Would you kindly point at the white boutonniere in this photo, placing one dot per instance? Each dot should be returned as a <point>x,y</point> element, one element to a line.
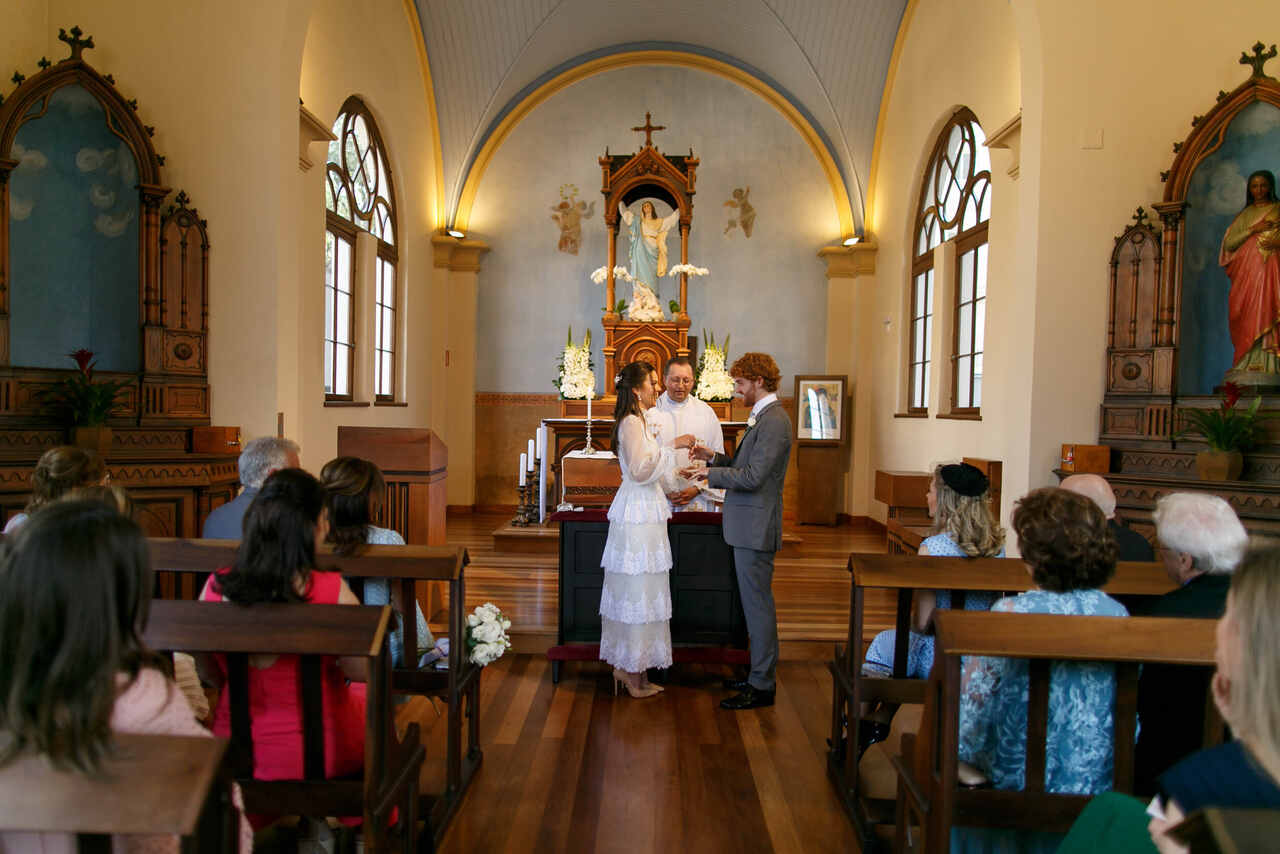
<point>751,422</point>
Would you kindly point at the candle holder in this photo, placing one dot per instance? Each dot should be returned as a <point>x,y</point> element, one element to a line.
<point>527,509</point>
<point>590,448</point>
<point>522,509</point>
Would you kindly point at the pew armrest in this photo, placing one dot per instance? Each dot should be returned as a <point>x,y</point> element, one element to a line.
<point>908,788</point>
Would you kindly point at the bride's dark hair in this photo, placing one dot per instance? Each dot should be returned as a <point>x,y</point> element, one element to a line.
<point>629,380</point>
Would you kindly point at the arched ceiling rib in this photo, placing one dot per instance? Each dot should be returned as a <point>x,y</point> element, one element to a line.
<point>829,57</point>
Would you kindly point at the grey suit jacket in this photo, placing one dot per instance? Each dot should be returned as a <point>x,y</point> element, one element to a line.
<point>752,481</point>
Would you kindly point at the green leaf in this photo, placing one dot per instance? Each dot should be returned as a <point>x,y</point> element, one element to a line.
<point>673,306</point>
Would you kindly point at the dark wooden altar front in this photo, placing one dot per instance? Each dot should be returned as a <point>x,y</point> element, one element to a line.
<point>706,609</point>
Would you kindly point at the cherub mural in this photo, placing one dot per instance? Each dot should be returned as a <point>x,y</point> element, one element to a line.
<point>568,214</point>
<point>741,212</point>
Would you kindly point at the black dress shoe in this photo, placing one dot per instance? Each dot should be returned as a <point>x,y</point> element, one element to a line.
<point>736,684</point>
<point>750,698</point>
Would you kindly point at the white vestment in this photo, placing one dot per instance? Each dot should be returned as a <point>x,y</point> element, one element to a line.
<point>691,416</point>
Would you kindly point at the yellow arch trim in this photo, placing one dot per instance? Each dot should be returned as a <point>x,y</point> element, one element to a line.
<point>770,95</point>
<point>889,78</point>
<point>415,25</point>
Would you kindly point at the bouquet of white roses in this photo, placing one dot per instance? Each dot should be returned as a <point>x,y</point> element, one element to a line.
<point>714,382</point>
<point>487,634</point>
<point>576,379</point>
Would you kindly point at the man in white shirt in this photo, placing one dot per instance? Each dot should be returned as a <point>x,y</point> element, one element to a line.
<point>689,415</point>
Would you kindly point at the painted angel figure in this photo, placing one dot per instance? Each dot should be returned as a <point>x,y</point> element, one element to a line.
<point>648,258</point>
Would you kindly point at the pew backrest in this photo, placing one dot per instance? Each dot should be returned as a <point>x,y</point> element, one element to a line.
<point>926,572</point>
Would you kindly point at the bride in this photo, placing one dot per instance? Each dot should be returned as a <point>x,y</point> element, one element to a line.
<point>635,604</point>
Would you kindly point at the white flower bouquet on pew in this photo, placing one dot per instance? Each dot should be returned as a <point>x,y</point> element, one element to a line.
<point>487,634</point>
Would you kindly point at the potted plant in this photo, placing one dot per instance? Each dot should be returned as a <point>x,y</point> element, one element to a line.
<point>1228,431</point>
<point>86,404</point>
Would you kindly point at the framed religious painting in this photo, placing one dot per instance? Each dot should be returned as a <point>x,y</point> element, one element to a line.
<point>820,408</point>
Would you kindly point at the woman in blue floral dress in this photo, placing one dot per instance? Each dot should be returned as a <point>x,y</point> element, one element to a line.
<point>1070,554</point>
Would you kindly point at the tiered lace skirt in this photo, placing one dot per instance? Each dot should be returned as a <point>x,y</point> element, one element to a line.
<point>635,604</point>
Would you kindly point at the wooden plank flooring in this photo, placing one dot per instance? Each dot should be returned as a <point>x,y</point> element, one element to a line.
<point>571,768</point>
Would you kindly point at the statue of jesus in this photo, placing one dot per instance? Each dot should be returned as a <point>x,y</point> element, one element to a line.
<point>648,259</point>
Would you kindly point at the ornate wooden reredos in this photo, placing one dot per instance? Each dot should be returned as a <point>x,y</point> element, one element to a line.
<point>625,179</point>
<point>171,389</point>
<point>1144,319</point>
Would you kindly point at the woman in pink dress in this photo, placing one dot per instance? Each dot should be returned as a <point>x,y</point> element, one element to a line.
<point>75,588</point>
<point>276,563</point>
<point>1250,255</point>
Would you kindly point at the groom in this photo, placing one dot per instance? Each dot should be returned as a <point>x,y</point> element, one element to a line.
<point>753,516</point>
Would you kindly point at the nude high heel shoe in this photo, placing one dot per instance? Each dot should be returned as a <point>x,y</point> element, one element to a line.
<point>632,684</point>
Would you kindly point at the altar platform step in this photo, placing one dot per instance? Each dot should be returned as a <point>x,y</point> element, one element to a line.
<point>545,539</point>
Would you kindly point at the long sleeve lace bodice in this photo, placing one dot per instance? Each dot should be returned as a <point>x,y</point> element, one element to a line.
<point>642,458</point>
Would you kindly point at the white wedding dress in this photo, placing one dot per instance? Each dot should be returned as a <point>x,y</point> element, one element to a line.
<point>635,604</point>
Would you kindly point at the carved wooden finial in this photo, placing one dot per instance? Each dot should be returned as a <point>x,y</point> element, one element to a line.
<point>110,78</point>
<point>1164,176</point>
<point>18,77</point>
<point>648,127</point>
<point>1258,59</point>
<point>1177,146</point>
<point>181,199</point>
<point>77,44</point>
<point>44,63</point>
<point>1140,218</point>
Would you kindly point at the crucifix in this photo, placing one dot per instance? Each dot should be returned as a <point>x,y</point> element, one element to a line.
<point>648,127</point>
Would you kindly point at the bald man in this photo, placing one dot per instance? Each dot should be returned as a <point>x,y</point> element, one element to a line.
<point>1130,545</point>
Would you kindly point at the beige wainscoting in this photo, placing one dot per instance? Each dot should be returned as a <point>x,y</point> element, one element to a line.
<point>506,421</point>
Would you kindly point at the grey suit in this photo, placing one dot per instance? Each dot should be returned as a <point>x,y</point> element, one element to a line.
<point>752,481</point>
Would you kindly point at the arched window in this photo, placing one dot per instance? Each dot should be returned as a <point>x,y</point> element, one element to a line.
<point>359,196</point>
<point>955,204</point>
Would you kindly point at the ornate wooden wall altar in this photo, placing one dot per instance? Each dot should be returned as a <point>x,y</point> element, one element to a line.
<point>1141,416</point>
<point>626,179</point>
<point>150,450</point>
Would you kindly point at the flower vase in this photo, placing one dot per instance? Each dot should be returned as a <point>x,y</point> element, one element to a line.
<point>96,439</point>
<point>1219,465</point>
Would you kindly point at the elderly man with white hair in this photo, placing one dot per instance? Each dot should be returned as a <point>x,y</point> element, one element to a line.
<point>1130,545</point>
<point>258,460</point>
<point>1201,541</point>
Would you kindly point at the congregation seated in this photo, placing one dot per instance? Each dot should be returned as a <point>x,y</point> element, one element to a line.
<point>1244,773</point>
<point>1130,545</point>
<point>276,562</point>
<point>354,492</point>
<point>75,588</point>
<point>1070,554</point>
<point>59,471</point>
<point>1201,541</point>
<point>258,460</point>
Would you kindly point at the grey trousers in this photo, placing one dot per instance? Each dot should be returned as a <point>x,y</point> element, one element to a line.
<point>755,585</point>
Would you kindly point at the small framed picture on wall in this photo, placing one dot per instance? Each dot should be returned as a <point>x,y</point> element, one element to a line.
<point>820,415</point>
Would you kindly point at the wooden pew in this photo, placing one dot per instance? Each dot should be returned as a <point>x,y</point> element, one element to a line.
<point>391,768</point>
<point>162,784</point>
<point>907,573</point>
<point>459,686</point>
<point>929,795</point>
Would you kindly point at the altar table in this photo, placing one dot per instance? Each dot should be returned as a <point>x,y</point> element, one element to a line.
<point>707,623</point>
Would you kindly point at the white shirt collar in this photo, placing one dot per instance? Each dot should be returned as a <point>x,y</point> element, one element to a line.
<point>666,402</point>
<point>762,403</point>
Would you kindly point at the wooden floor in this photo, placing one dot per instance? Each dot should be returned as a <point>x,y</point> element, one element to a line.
<point>571,768</point>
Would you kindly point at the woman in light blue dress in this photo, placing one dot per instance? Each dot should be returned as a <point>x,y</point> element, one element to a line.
<point>1070,554</point>
<point>963,526</point>
<point>354,491</point>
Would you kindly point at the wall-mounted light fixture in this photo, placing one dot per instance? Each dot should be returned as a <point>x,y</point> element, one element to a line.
<point>850,241</point>
<point>454,233</point>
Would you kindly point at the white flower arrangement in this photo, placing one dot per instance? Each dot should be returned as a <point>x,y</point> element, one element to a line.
<point>690,269</point>
<point>487,634</point>
<point>601,273</point>
<point>576,379</point>
<point>714,382</point>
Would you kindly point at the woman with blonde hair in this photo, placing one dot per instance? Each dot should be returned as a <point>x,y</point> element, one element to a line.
<point>59,470</point>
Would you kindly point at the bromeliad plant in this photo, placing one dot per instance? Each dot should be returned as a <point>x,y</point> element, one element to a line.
<point>84,402</point>
<point>1227,428</point>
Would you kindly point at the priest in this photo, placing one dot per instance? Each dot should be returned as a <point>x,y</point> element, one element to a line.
<point>689,415</point>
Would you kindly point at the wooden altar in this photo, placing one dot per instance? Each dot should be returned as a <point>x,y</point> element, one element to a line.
<point>150,453</point>
<point>1147,332</point>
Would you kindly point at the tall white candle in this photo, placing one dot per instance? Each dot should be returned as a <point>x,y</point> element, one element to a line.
<point>542,441</point>
<point>590,395</point>
<point>524,461</point>
<point>530,455</point>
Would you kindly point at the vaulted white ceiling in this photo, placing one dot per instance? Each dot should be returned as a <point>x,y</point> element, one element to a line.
<point>828,58</point>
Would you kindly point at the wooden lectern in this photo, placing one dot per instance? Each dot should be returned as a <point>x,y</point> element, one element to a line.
<point>414,462</point>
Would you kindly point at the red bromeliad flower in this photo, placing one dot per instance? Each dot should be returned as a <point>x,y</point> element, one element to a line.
<point>1231,393</point>
<point>84,361</point>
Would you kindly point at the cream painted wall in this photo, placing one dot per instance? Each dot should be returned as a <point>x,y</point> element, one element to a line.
<point>921,101</point>
<point>220,83</point>
<point>1098,120</point>
<point>337,62</point>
